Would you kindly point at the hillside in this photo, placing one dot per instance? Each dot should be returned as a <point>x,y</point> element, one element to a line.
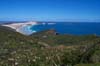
<point>47,48</point>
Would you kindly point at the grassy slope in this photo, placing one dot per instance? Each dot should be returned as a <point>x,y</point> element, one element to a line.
<point>13,43</point>
<point>47,49</point>
<point>86,46</point>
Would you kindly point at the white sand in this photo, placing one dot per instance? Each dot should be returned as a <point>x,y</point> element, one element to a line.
<point>17,26</point>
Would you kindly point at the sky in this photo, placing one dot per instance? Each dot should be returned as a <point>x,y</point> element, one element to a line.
<point>50,10</point>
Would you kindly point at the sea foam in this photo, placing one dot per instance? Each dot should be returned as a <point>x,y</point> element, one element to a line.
<point>24,28</point>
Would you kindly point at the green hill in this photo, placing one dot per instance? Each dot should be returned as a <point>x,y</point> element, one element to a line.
<point>47,48</point>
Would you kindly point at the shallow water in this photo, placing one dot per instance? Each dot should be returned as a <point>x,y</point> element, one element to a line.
<point>76,28</point>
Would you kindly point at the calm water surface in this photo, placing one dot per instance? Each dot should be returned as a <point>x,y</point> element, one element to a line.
<point>77,28</point>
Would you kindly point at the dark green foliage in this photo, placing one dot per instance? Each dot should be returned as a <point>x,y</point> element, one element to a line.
<point>46,48</point>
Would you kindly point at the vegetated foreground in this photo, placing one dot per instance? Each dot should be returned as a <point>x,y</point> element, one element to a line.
<point>48,48</point>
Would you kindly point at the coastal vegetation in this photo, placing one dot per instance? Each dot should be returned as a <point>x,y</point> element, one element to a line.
<point>48,48</point>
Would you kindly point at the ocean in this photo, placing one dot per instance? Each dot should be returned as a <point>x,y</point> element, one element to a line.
<point>74,28</point>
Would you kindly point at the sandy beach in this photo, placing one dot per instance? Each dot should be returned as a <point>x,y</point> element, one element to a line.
<point>19,26</point>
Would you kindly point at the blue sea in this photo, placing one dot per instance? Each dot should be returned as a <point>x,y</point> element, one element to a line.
<point>75,28</point>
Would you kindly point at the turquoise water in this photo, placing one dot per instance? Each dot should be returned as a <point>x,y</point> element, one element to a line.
<point>75,28</point>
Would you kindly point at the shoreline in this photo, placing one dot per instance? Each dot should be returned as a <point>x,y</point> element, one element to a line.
<point>19,26</point>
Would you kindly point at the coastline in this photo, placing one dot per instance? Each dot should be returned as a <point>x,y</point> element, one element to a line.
<point>27,28</point>
<point>21,27</point>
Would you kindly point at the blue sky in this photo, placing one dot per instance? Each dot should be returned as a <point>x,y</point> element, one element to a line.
<point>50,10</point>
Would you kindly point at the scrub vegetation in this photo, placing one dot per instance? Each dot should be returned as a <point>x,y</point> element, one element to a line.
<point>48,48</point>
